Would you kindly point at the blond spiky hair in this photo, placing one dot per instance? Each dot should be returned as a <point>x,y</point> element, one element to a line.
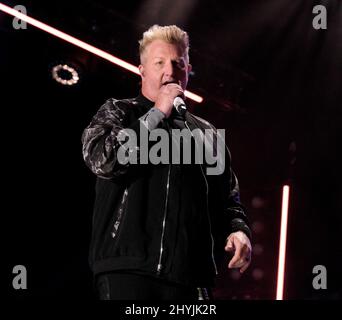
<point>170,34</point>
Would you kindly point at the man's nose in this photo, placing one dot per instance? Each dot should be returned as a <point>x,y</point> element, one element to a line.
<point>169,68</point>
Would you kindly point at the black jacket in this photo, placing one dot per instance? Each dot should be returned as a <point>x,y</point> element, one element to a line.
<point>166,220</point>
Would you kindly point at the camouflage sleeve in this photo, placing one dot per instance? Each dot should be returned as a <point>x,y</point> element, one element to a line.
<point>100,142</point>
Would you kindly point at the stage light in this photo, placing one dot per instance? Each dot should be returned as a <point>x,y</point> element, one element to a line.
<point>258,202</point>
<point>83,45</point>
<point>257,226</point>
<point>258,249</point>
<point>282,242</point>
<point>257,274</point>
<point>65,74</point>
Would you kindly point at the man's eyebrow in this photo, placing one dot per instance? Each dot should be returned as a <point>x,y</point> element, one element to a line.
<point>177,58</point>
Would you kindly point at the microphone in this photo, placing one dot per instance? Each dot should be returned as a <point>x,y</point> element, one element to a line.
<point>179,105</point>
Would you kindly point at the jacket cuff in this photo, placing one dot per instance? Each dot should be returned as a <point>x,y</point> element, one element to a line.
<point>238,224</point>
<point>152,118</point>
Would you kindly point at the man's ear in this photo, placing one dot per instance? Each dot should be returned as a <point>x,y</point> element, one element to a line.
<point>141,70</point>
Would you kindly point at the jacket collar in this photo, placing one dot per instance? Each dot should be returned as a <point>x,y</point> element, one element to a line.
<point>143,101</point>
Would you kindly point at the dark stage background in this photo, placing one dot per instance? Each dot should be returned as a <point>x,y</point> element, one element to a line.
<point>266,75</point>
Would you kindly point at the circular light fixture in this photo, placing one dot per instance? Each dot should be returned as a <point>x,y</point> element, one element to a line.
<point>65,74</point>
<point>257,274</point>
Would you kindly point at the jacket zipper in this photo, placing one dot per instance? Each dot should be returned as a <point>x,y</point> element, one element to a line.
<point>159,265</point>
<point>207,195</point>
<point>120,214</point>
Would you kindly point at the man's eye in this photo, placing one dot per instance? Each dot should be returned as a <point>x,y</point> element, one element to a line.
<point>159,62</point>
<point>180,65</point>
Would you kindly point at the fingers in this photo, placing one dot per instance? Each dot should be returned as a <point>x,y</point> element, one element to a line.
<point>229,246</point>
<point>174,89</point>
<point>166,96</point>
<point>237,259</point>
<point>242,255</point>
<point>245,266</point>
<point>240,261</point>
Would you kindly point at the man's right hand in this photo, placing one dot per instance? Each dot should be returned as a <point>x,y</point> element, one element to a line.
<point>166,96</point>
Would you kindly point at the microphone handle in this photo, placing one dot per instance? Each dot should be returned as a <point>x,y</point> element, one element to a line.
<point>179,105</point>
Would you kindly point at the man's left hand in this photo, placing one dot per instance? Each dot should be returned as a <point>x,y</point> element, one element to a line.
<point>239,243</point>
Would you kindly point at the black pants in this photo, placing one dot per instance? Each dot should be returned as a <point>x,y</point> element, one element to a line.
<point>126,286</point>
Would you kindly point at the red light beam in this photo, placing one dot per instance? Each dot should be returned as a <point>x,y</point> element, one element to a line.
<point>59,34</point>
<point>282,242</point>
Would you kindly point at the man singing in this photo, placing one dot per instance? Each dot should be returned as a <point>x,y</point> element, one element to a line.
<point>160,229</point>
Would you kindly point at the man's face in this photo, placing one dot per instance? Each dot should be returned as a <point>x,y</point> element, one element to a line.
<point>162,63</point>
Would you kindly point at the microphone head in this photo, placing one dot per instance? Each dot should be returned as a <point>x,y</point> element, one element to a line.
<point>180,106</point>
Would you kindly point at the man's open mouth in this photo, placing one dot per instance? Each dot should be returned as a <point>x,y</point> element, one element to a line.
<point>172,81</point>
